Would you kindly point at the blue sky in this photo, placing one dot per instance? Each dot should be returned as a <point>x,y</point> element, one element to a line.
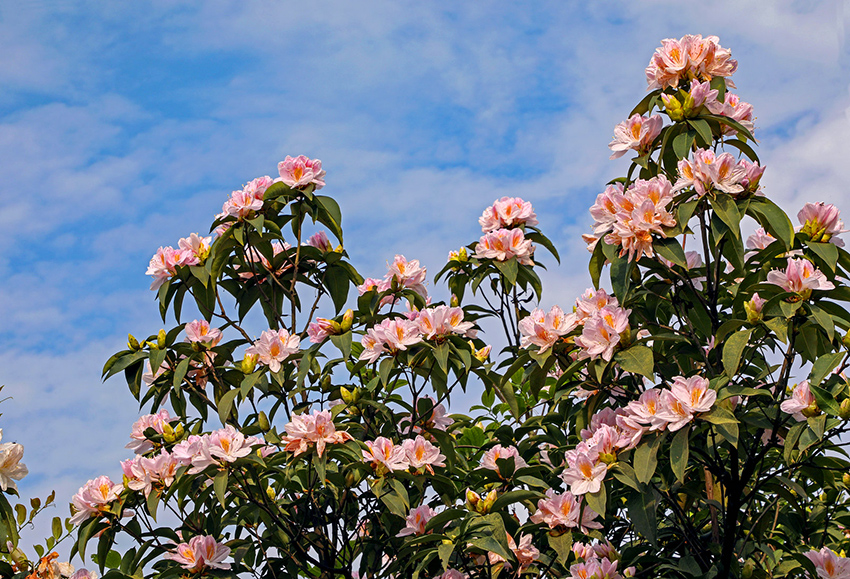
<point>124,126</point>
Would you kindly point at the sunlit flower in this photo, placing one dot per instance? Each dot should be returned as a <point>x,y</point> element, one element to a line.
<point>422,454</point>
<point>821,222</point>
<point>694,393</point>
<point>195,248</point>
<point>199,331</point>
<point>503,244</point>
<point>564,510</point>
<point>312,429</point>
<point>275,346</point>
<point>200,552</point>
<point>691,57</point>
<point>11,468</point>
<point>544,329</point>
<point>507,212</point>
<point>801,398</point>
<point>583,474</point>
<point>636,133</point>
<point>829,565</point>
<point>298,172</point>
<point>384,453</point>
<point>601,333</point>
<point>94,497</point>
<point>417,520</point>
<point>139,443</point>
<point>800,276</point>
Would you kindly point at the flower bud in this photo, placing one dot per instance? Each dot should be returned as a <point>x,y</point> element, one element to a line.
<point>347,320</point>
<point>485,505</point>
<point>688,106</point>
<point>822,497</point>
<point>753,308</point>
<point>844,409</point>
<point>453,302</point>
<point>607,458</point>
<point>749,567</point>
<point>133,343</point>
<point>629,572</point>
<point>462,254</point>
<point>338,249</point>
<point>270,493</point>
<point>346,394</point>
<point>846,340</point>
<point>481,355</point>
<point>846,479</point>
<point>167,433</point>
<point>673,107</point>
<point>160,339</point>
<point>179,431</point>
<point>263,421</point>
<point>249,363</point>
<point>626,336</point>
<point>811,410</point>
<point>473,498</point>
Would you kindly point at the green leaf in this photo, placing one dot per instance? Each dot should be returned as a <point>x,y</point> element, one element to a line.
<point>704,130</point>
<point>331,216</point>
<point>638,360</point>
<point>773,219</point>
<point>682,144</point>
<point>825,399</point>
<point>733,349</point>
<point>624,473</point>
<point>621,272</point>
<point>679,453</point>
<point>791,439</point>
<point>152,502</point>
<point>823,366</point>
<point>719,415</point>
<point>509,269</point>
<point>220,486</point>
<point>384,370</point>
<point>743,147</point>
<point>337,282</point>
<point>516,496</point>
<point>725,208</point>
<point>562,545</point>
<point>641,507</point>
<point>343,344</point>
<point>598,500</point>
<point>670,249</point>
<point>824,320</point>
<point>828,252</point>
<point>645,459</point>
<point>597,262</point>
<point>441,354</point>
<point>225,404</point>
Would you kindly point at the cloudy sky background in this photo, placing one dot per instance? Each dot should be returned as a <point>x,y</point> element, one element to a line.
<point>124,127</point>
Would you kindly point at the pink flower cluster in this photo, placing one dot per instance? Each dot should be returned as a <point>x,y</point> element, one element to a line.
<point>734,108</point>
<point>544,329</point>
<point>722,172</point>
<point>417,454</point>
<point>306,430</point>
<point>503,244</point>
<point>599,562</point>
<point>300,171</point>
<point>93,497</point>
<point>524,552</point>
<point>143,474</point>
<point>200,332</point>
<point>139,443</point>
<point>243,203</point>
<point>273,347</point>
<point>389,337</point>
<point>673,408</point>
<point>821,222</point>
<point>407,274</point>
<point>192,250</point>
<point>224,445</point>
<point>497,452</point>
<point>564,510</point>
<point>441,321</point>
<point>759,240</point>
<point>636,133</point>
<point>691,57</point>
<point>829,565</point>
<point>801,399</point>
<point>629,218</point>
<point>254,256</point>
<point>202,551</point>
<point>800,276</point>
<point>417,520</point>
<point>506,213</point>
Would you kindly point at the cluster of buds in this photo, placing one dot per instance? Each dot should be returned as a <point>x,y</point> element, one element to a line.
<point>319,330</point>
<point>479,504</point>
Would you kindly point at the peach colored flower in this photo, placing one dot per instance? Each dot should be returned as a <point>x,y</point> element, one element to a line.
<point>417,520</point>
<point>829,565</point>
<point>564,510</point>
<point>601,332</point>
<point>544,329</point>
<point>759,240</point>
<point>490,457</point>
<point>199,331</point>
<point>275,346</point>
<point>799,276</point>
<point>138,441</point>
<point>312,429</point>
<point>636,133</point>
<point>94,497</point>
<point>507,212</point>
<point>422,454</point>
<point>441,321</point>
<point>583,474</point>
<point>384,453</point>
<point>691,57</point>
<point>694,393</point>
<point>821,222</point>
<point>503,244</point>
<point>673,411</point>
<point>202,551</point>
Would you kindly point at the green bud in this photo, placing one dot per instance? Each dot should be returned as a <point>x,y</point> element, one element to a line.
<point>160,339</point>
<point>607,458</point>
<point>462,254</point>
<point>749,567</point>
<point>133,343</point>
<point>179,431</point>
<point>263,421</point>
<point>249,363</point>
<point>270,493</point>
<point>846,340</point>
<point>168,433</point>
<point>688,105</point>
<point>347,320</point>
<point>453,302</point>
<point>810,410</point>
<point>673,107</point>
<point>844,409</point>
<point>846,479</point>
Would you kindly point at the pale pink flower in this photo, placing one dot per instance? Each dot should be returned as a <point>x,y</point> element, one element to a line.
<point>644,411</point>
<point>408,274</point>
<point>759,240</point>
<point>673,411</point>
<point>163,265</point>
<point>371,283</point>
<point>142,473</point>
<point>601,333</point>
<point>308,429</point>
<point>417,520</point>
<point>544,329</point>
<point>258,186</point>
<point>201,551</point>
<point>195,248</point>
<point>736,109</point>
<point>275,346</point>
<point>821,222</point>
<point>608,204</point>
<point>503,244</point>
<point>507,212</point>
<point>564,510</point>
<point>694,393</point>
<point>94,497</point>
<point>490,457</point>
<point>441,321</point>
<point>584,474</point>
<point>11,468</point>
<point>320,241</point>
<point>298,172</point>
<point>586,570</point>
<point>83,574</point>
<point>641,212</point>
<point>591,301</point>
<point>799,276</point>
<point>709,171</point>
<point>194,452</point>
<point>452,574</point>
<point>200,331</point>
<point>752,175</point>
<point>801,398</point>
<point>526,553</point>
<point>390,336</point>
<point>138,441</point>
<point>319,330</point>
<point>829,565</point>
<point>702,94</point>
<point>228,444</point>
<point>383,453</point>
<point>436,420</point>
<point>691,57</point>
<point>636,133</point>
<point>241,204</point>
<point>753,307</point>
<point>422,454</point>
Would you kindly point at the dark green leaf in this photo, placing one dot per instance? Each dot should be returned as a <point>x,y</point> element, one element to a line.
<point>670,249</point>
<point>733,349</point>
<point>679,453</point>
<point>645,459</point>
<point>637,359</point>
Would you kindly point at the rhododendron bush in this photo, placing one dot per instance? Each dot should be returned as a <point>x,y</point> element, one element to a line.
<point>681,419</point>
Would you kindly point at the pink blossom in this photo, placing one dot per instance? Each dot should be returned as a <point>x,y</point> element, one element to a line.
<point>821,222</point>
<point>544,329</point>
<point>408,274</point>
<point>138,441</point>
<point>417,520</point>
<point>673,411</point>
<point>441,321</point>
<point>490,457</point>
<point>564,510</point>
<point>228,444</point>
<point>507,212</point>
<point>422,454</point>
<point>526,553</point>
<point>436,420</point>
<point>452,574</point>
<point>759,240</point>
<point>275,346</point>
<point>390,336</point>
<point>201,551</point>
<point>320,241</point>
<point>799,276</point>
<point>694,393</point>
<point>584,474</point>
<point>83,574</point>
<point>298,172</point>
<point>752,175</point>
<point>194,452</point>
<point>734,108</point>
<point>319,330</point>
<point>371,283</point>
<point>241,205</point>
<point>753,307</point>
<point>829,565</point>
<point>591,301</point>
<point>199,331</point>
<point>636,133</point>
<point>384,453</point>
<point>709,171</point>
<point>93,497</point>
<point>195,248</point>
<point>601,333</point>
<point>801,398</point>
<point>142,473</point>
<point>163,265</point>
<point>691,57</point>
<point>644,411</point>
<point>503,244</point>
<point>308,429</point>
<point>258,186</point>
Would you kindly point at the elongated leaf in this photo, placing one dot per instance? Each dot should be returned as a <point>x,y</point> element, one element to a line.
<point>824,320</point>
<point>337,282</point>
<point>823,366</point>
<point>330,216</point>
<point>516,496</point>
<point>645,459</point>
<point>642,507</point>
<point>727,210</point>
<point>220,486</point>
<point>773,219</point>
<point>225,404</point>
<point>508,269</point>
<point>733,349</point>
<point>743,147</point>
<point>828,252</point>
<point>670,249</point>
<point>597,262</point>
<point>719,415</point>
<point>679,453</point>
<point>703,129</point>
<point>598,500</point>
<point>638,359</point>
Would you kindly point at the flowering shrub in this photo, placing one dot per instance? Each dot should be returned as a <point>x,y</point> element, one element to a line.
<point>684,423</point>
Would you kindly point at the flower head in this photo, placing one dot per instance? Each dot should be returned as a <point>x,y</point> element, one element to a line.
<point>200,552</point>
<point>275,346</point>
<point>298,172</point>
<point>636,133</point>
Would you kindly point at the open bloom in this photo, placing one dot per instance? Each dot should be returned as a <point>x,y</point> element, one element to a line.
<point>201,551</point>
<point>601,332</point>
<point>563,510</point>
<point>694,393</point>
<point>199,331</point>
<point>417,520</point>
<point>636,133</point>
<point>163,265</point>
<point>11,468</point>
<point>422,454</point>
<point>584,474</point>
<point>195,248</point>
<point>490,457</point>
<point>707,171</point>
<point>274,346</point>
<point>300,171</point>
<point>93,497</point>
<point>829,565</point>
<point>690,57</point>
<point>544,329</point>
<point>801,398</point>
<point>441,321</point>
<point>503,244</point>
<point>312,429</point>
<point>799,276</point>
<point>821,222</point>
<point>507,212</point>
<point>383,453</point>
<point>138,441</point>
